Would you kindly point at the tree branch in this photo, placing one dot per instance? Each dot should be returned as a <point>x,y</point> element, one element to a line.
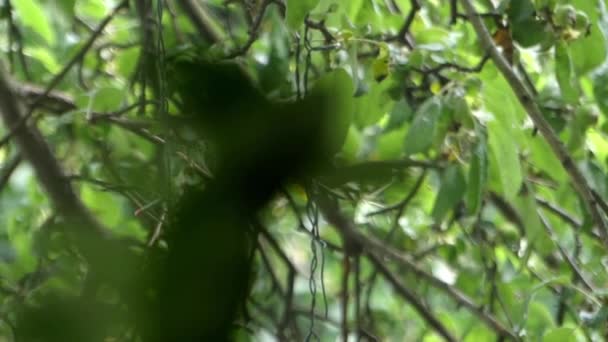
<point>527,101</point>
<point>411,298</point>
<point>59,77</point>
<point>378,249</point>
<point>48,171</point>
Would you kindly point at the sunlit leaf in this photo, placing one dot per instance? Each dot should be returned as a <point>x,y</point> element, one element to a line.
<point>32,14</point>
<point>562,334</point>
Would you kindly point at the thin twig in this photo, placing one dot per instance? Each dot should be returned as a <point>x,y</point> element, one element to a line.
<point>59,77</point>
<point>569,260</point>
<point>375,248</point>
<point>253,31</point>
<point>411,298</point>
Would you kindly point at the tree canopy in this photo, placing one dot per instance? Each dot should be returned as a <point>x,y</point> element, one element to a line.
<point>365,170</point>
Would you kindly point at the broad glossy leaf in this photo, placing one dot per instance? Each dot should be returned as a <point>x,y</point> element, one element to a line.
<point>453,187</point>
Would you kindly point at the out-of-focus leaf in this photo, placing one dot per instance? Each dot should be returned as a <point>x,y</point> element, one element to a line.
<point>421,134</point>
<point>600,90</point>
<point>565,73</point>
<point>297,11</point>
<point>527,209</point>
<point>562,334</point>
<point>390,145</point>
<point>504,160</point>
<point>373,105</point>
<point>539,320</point>
<point>95,9</point>
<point>32,14</point>
<point>478,173</point>
<point>341,107</point>
<point>588,52</point>
<point>46,58</point>
<point>453,187</point>
<point>399,114</point>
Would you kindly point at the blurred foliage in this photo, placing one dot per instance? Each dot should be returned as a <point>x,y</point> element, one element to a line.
<point>212,156</point>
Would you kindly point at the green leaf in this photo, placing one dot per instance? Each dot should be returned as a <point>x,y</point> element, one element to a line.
<point>33,15</point>
<point>352,144</point>
<point>297,11</point>
<point>67,6</point>
<point>504,160</point>
<point>478,174</point>
<point>107,99</point>
<point>453,187</point>
<point>421,134</point>
<point>542,157</point>
<point>505,132</point>
<point>339,84</point>
<point>539,320</point>
<point>565,74</point>
<point>45,57</point>
<point>526,207</point>
<point>600,90</point>
<point>390,145</point>
<point>372,106</point>
<point>589,52</point>
<point>520,10</point>
<point>562,334</point>
<point>95,9</point>
<point>400,113</point>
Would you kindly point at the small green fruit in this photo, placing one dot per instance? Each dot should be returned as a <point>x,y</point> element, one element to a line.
<point>581,22</point>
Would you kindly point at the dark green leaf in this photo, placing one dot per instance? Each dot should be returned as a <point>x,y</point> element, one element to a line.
<point>478,173</point>
<point>421,134</point>
<point>453,187</point>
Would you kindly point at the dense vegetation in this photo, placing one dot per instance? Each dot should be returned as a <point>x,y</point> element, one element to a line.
<point>391,170</point>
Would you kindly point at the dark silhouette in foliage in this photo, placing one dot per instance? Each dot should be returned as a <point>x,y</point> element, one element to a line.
<point>193,290</point>
<point>260,145</point>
